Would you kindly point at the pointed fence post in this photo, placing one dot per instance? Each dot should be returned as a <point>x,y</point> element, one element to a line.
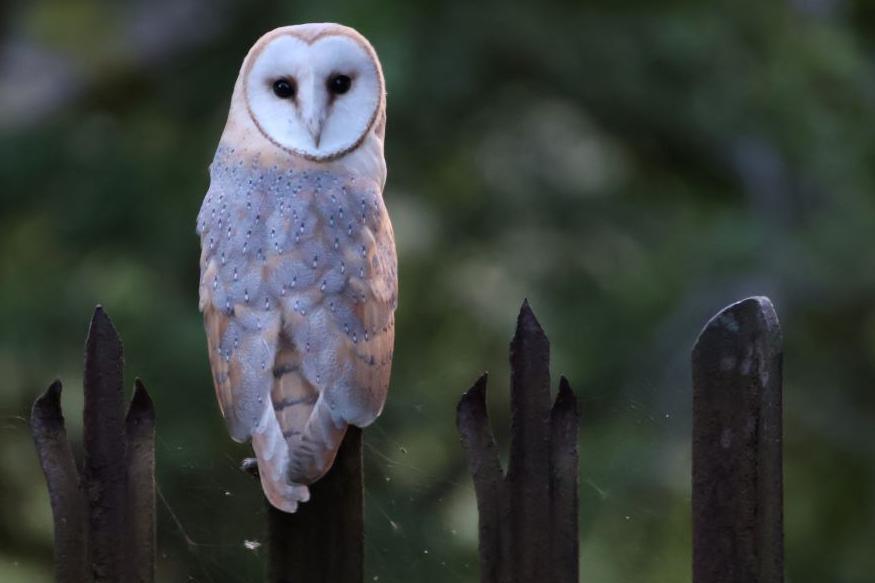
<point>528,518</point>
<point>66,497</point>
<point>738,532</point>
<point>140,504</point>
<point>104,519</point>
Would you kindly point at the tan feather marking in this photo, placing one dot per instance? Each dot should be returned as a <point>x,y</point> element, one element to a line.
<point>285,403</point>
<point>313,451</point>
<point>311,436</point>
<point>215,324</point>
<point>293,397</point>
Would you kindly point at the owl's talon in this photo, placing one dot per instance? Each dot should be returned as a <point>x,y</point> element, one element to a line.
<point>250,466</point>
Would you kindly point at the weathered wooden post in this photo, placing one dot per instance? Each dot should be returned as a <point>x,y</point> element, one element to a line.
<point>323,541</point>
<point>528,518</point>
<point>104,518</point>
<point>738,532</point>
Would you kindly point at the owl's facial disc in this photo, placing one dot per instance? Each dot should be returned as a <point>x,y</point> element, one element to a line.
<point>315,99</point>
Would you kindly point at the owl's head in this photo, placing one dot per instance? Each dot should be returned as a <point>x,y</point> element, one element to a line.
<point>315,90</point>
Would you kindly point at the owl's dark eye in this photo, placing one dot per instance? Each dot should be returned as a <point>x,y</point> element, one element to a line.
<point>284,88</point>
<point>339,84</point>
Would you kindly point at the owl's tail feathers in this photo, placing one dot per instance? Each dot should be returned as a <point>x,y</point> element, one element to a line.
<point>272,454</point>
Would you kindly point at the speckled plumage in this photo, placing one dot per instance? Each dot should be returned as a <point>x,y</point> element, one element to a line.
<point>298,290</point>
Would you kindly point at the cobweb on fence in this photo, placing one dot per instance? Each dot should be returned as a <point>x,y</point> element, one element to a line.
<point>420,509</point>
<point>420,518</point>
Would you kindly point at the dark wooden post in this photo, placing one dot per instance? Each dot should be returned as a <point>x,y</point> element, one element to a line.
<point>323,541</point>
<point>67,499</point>
<point>140,503</point>
<point>104,519</point>
<point>737,468</point>
<point>528,518</point>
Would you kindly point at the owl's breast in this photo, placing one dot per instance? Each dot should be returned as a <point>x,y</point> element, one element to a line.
<point>293,240</point>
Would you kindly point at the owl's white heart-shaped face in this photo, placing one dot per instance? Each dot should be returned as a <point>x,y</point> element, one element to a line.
<point>315,97</point>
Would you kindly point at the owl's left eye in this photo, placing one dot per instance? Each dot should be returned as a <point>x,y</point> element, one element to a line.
<point>284,88</point>
<point>339,84</point>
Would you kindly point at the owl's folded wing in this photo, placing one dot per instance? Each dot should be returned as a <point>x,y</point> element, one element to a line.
<point>242,347</point>
<point>242,330</point>
<point>372,352</point>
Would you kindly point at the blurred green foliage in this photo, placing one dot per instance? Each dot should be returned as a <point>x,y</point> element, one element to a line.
<point>629,167</point>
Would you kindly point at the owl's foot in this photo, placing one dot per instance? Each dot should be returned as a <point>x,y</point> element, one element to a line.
<point>250,466</point>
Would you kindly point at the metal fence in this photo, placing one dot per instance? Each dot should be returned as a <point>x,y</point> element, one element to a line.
<point>104,517</point>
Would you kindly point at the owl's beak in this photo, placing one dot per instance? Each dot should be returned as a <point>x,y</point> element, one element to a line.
<point>314,124</point>
<point>313,112</point>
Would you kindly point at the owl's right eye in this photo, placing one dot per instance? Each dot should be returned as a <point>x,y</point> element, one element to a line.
<point>284,88</point>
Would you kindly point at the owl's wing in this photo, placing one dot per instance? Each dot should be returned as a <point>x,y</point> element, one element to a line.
<point>241,354</point>
<point>372,300</point>
<point>342,328</point>
<point>242,331</point>
<point>352,354</point>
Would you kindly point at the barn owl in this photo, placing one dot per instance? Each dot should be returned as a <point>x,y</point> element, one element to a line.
<point>298,280</point>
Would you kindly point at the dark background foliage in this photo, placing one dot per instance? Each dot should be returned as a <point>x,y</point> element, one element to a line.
<point>628,166</point>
